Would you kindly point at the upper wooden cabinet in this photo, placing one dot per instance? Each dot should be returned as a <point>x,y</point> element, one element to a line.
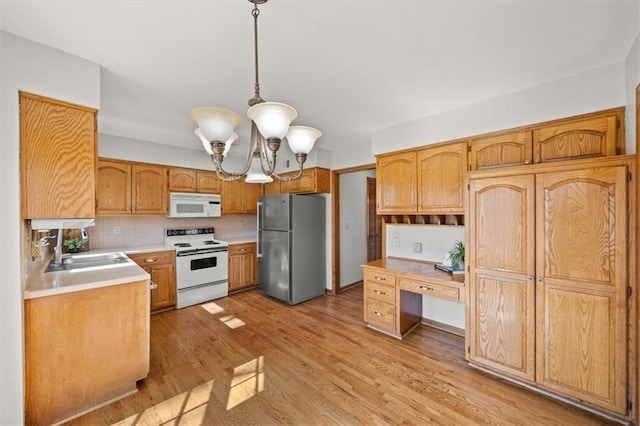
<point>507,149</point>
<point>594,137</point>
<point>313,180</point>
<point>57,158</point>
<point>240,197</point>
<point>440,173</point>
<point>131,188</point>
<point>191,180</point>
<point>272,187</point>
<point>397,183</point>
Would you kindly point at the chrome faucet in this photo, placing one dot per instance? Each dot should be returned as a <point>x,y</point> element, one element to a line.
<point>57,250</point>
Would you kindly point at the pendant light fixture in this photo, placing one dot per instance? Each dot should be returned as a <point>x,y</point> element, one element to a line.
<point>270,124</point>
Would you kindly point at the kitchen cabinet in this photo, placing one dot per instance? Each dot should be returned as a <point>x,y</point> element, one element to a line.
<point>191,180</point>
<point>397,184</point>
<point>131,188</point>
<point>440,173</point>
<point>57,158</point>
<point>161,267</point>
<point>272,187</point>
<point>548,278</point>
<point>84,349</point>
<point>313,180</point>
<point>243,267</point>
<point>240,197</point>
<point>504,149</point>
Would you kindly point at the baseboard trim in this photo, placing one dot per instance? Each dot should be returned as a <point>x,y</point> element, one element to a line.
<point>444,327</point>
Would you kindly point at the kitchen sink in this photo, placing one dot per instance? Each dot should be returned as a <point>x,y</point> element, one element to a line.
<point>85,261</point>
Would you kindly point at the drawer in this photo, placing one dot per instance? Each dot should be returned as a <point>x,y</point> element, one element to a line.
<point>235,249</point>
<point>435,290</point>
<point>155,258</point>
<point>381,292</point>
<point>379,277</point>
<point>381,314</point>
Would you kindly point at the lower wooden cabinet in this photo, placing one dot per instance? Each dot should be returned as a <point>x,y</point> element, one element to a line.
<point>243,267</point>
<point>161,267</point>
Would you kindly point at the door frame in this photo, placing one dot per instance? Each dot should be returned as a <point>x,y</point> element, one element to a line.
<point>335,221</point>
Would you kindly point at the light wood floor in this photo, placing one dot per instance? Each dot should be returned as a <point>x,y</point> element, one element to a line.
<point>315,363</point>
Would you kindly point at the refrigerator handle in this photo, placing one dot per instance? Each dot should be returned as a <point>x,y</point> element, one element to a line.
<point>259,226</point>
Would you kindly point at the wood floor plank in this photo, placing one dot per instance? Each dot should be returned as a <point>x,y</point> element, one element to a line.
<point>261,362</point>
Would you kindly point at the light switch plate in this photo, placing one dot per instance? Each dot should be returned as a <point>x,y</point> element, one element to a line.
<point>417,248</point>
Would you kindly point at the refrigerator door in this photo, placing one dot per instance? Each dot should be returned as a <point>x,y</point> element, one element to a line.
<point>274,264</point>
<point>275,212</point>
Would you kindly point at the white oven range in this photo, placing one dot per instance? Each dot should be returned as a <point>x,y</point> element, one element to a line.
<point>202,265</point>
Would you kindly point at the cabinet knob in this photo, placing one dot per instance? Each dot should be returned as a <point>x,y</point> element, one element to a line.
<point>379,278</point>
<point>149,260</point>
<point>540,280</point>
<point>378,314</point>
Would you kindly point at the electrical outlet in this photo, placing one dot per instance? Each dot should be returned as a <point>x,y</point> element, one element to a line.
<point>116,230</point>
<point>417,248</point>
<point>396,242</point>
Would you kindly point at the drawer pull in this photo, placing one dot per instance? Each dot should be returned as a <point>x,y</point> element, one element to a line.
<point>378,314</point>
<point>426,288</point>
<point>379,292</point>
<point>149,260</point>
<point>152,285</point>
<point>379,278</point>
<point>243,249</point>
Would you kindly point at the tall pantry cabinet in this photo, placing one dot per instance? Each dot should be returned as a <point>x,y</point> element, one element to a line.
<point>548,277</point>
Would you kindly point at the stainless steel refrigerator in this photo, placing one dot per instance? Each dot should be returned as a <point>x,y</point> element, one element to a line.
<point>291,247</point>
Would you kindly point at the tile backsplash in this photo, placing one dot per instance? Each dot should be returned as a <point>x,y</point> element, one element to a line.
<point>129,231</point>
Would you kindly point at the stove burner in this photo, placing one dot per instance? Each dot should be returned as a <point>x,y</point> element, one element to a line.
<point>182,245</point>
<point>210,242</point>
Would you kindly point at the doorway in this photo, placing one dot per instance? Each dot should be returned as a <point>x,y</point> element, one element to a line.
<point>374,223</point>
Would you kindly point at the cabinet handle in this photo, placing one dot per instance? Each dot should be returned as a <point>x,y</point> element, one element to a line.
<point>379,292</point>
<point>540,280</point>
<point>149,260</point>
<point>243,249</point>
<point>378,314</point>
<point>152,285</point>
<point>379,278</point>
<point>530,277</point>
<point>426,288</point>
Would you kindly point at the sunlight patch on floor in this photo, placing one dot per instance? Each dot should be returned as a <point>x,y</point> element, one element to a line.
<point>232,321</point>
<point>187,408</point>
<point>247,381</point>
<point>212,308</point>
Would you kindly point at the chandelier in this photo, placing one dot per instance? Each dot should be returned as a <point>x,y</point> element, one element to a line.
<point>270,124</point>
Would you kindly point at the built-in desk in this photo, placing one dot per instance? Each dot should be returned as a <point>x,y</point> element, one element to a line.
<point>393,290</point>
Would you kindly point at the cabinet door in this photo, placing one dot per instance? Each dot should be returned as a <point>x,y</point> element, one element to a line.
<point>232,197</point>
<point>149,189</point>
<point>208,182</point>
<point>594,137</point>
<point>272,187</point>
<point>182,180</point>
<point>113,189</point>
<point>397,183</point>
<point>164,296</point>
<point>509,149</point>
<point>440,171</point>
<point>57,159</point>
<point>581,300</point>
<point>242,265</point>
<point>501,259</point>
<point>253,191</point>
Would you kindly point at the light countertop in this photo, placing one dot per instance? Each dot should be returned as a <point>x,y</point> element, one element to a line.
<point>241,240</point>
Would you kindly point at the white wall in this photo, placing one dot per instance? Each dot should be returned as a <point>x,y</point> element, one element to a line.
<point>353,225</point>
<point>355,156</point>
<point>632,79</point>
<point>34,68</point>
<point>590,91</point>
<point>436,241</point>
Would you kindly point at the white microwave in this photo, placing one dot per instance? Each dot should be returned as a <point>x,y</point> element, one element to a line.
<point>183,204</point>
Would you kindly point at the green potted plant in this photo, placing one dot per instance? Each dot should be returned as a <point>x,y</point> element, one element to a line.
<point>457,256</point>
<point>73,245</point>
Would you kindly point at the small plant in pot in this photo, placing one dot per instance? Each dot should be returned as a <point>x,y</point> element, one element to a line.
<point>73,245</point>
<point>457,256</point>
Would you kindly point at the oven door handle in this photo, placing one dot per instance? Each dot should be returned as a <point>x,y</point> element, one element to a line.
<point>259,226</point>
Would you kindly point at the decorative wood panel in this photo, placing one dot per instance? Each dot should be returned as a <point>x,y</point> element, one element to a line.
<point>57,158</point>
<point>149,189</point>
<point>208,182</point>
<point>397,183</point>
<point>182,180</point>
<point>501,267</point>
<point>113,188</point>
<point>440,174</point>
<point>509,149</point>
<point>582,280</point>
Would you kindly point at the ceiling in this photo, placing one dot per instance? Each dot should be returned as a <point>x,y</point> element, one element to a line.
<point>350,67</point>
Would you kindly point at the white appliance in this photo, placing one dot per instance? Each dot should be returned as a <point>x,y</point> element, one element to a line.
<point>184,204</point>
<point>202,265</point>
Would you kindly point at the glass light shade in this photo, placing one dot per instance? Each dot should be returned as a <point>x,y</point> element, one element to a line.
<point>255,173</point>
<point>207,145</point>
<point>216,124</point>
<point>272,118</point>
<point>302,138</point>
